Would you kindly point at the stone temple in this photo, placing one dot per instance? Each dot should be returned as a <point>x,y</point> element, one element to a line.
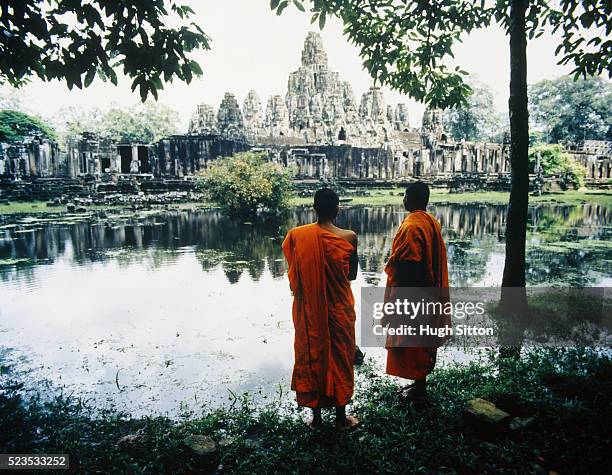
<point>317,126</point>
<point>318,108</point>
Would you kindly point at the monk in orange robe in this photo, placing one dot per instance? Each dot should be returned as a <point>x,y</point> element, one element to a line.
<point>418,259</point>
<point>322,261</point>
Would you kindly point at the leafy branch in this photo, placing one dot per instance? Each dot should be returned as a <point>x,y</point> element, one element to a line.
<point>75,41</point>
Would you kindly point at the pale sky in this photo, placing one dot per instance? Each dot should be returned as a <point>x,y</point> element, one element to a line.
<point>253,48</point>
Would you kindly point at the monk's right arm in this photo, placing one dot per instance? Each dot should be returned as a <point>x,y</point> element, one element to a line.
<point>353,261</point>
<point>353,264</point>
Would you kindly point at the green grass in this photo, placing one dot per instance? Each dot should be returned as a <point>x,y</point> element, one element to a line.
<point>394,197</point>
<point>40,207</point>
<point>30,207</point>
<point>566,391</point>
<point>377,197</point>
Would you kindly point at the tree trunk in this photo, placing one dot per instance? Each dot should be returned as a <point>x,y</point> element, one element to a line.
<point>516,225</point>
<point>513,305</point>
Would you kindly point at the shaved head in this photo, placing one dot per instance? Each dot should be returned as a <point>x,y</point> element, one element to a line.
<point>416,196</point>
<point>326,203</point>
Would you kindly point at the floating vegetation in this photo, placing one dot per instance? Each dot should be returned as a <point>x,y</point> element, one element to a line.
<point>584,245</point>
<point>19,262</point>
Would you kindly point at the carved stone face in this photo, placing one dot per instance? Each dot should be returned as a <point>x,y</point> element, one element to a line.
<point>316,105</point>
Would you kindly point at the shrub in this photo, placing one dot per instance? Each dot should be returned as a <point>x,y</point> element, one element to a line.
<point>246,185</point>
<point>554,160</point>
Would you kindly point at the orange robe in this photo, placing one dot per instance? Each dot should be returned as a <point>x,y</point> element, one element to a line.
<point>418,239</point>
<point>323,316</point>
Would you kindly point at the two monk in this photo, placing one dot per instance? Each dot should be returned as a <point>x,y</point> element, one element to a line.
<point>322,261</point>
<point>418,259</point>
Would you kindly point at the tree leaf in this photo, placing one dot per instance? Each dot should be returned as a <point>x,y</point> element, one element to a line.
<point>91,74</point>
<point>144,90</point>
<point>196,69</point>
<point>282,7</point>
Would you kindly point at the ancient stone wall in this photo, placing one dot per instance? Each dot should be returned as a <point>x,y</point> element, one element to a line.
<point>34,157</point>
<point>339,161</point>
<point>88,154</point>
<point>596,157</point>
<point>380,163</point>
<point>184,155</point>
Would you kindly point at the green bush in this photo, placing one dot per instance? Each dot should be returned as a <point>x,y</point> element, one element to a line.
<point>246,185</point>
<point>15,126</point>
<point>554,160</point>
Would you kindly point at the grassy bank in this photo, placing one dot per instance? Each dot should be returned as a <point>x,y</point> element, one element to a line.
<point>561,398</point>
<point>40,207</point>
<point>376,198</point>
<point>390,197</point>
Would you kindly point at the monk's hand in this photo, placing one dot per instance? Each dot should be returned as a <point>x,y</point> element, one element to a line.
<point>390,294</point>
<point>385,320</point>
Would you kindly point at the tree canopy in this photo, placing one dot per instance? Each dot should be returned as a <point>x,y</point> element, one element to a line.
<point>144,123</point>
<point>568,110</point>
<point>408,45</point>
<point>74,41</point>
<point>477,119</point>
<point>15,126</point>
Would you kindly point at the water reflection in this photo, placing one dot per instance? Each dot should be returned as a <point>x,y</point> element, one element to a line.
<point>181,306</point>
<point>560,238</point>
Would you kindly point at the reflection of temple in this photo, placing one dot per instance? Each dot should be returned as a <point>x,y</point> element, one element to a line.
<point>318,127</point>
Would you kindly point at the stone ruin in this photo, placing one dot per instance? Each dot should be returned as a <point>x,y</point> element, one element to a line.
<point>253,116</point>
<point>321,130</point>
<point>318,108</point>
<point>595,157</point>
<point>33,157</point>
<point>204,120</point>
<point>316,127</point>
<point>229,118</point>
<point>276,120</point>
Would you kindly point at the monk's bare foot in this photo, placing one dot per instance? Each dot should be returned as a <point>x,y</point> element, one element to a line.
<point>348,423</point>
<point>315,423</point>
<point>401,390</point>
<point>416,392</point>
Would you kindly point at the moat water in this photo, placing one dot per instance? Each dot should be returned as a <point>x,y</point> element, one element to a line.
<point>175,310</point>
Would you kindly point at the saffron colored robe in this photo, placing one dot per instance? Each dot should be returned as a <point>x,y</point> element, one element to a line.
<point>323,316</point>
<point>419,239</point>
